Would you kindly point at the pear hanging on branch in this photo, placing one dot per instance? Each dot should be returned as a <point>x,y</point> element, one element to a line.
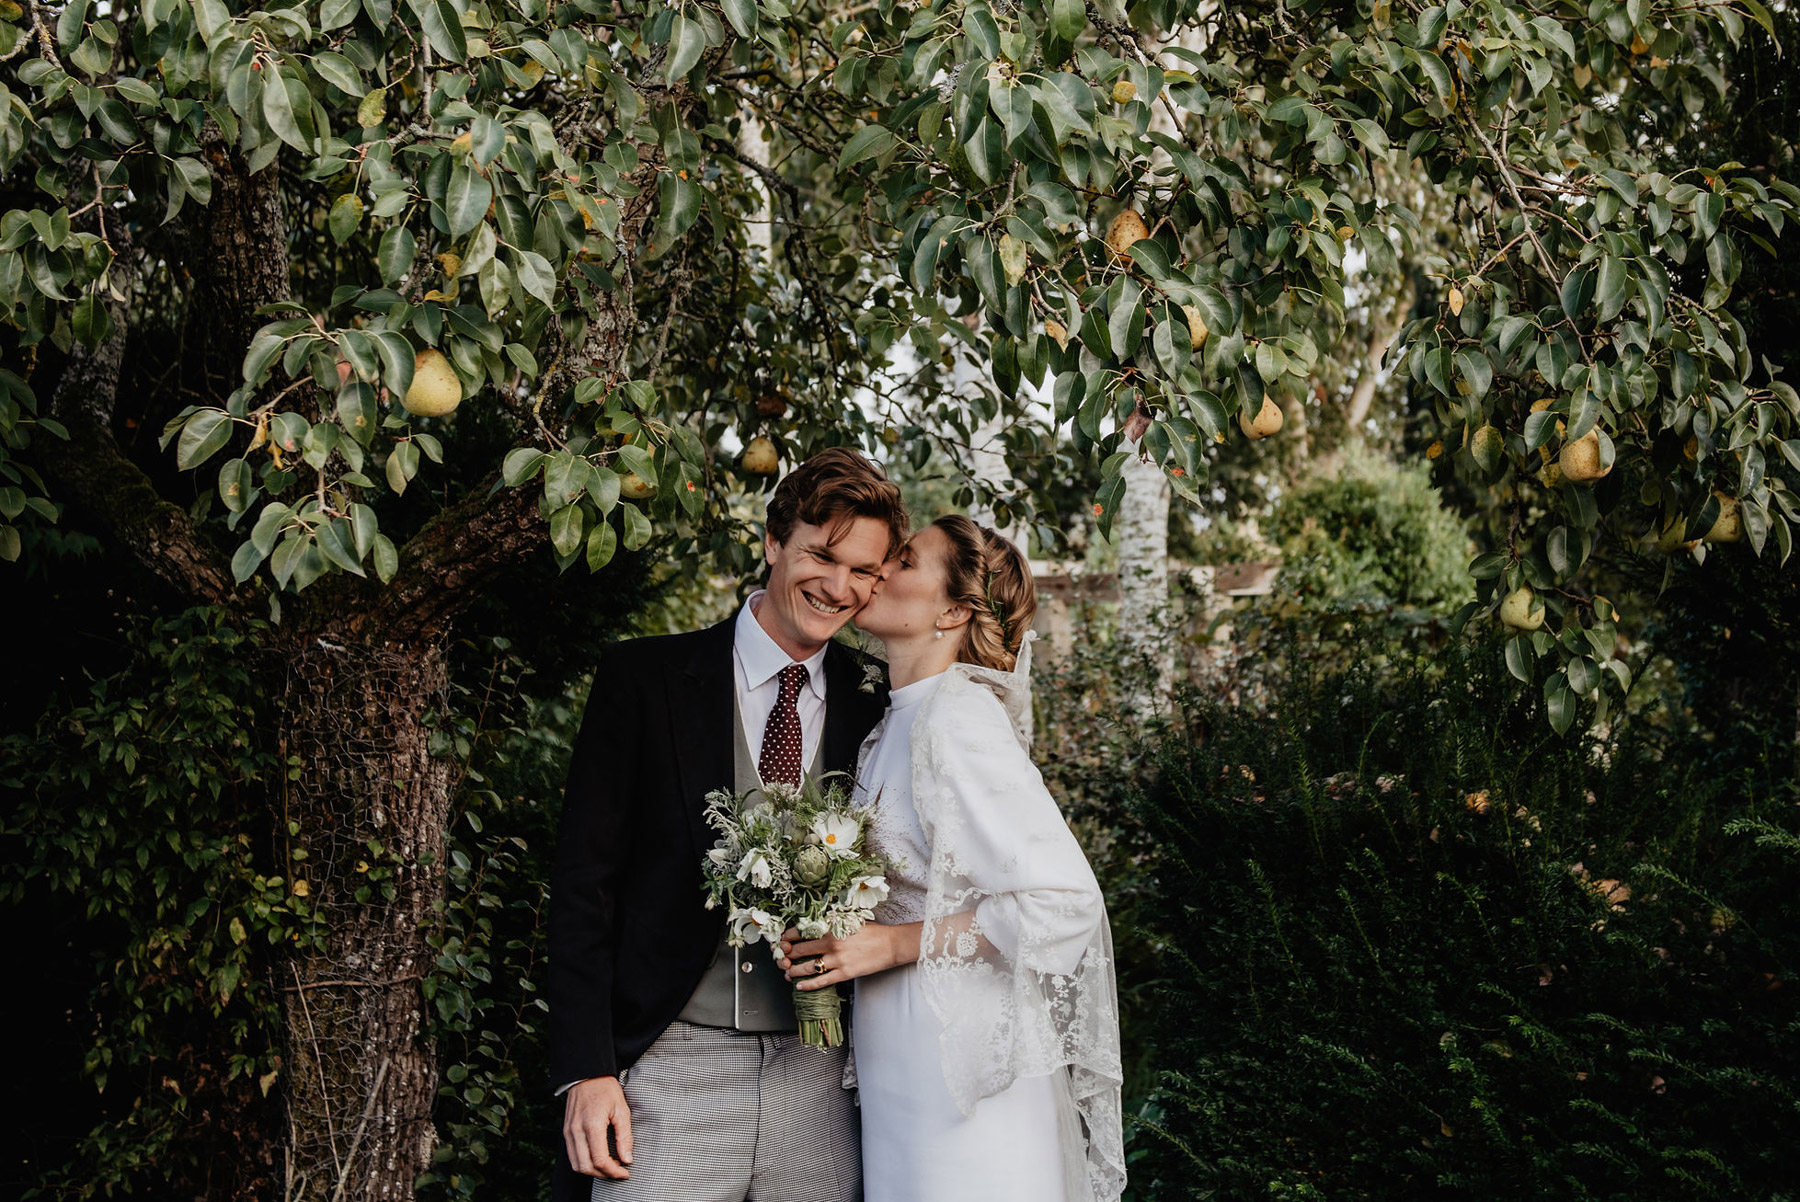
<point>435,390</point>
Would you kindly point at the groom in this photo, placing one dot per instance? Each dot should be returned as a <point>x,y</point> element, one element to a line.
<point>676,1056</point>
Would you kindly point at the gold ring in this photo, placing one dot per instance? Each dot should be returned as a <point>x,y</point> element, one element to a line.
<point>819,967</point>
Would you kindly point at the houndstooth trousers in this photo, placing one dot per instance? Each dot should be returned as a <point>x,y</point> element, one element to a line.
<point>720,1115</point>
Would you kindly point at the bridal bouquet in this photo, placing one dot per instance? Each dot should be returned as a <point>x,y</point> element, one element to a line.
<point>793,856</point>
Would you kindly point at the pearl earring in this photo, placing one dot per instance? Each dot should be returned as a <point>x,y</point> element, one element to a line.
<point>938,635</point>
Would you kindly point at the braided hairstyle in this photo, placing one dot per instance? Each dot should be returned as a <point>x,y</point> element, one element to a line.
<point>990,577</point>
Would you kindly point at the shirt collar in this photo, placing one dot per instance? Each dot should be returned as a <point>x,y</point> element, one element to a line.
<point>761,659</point>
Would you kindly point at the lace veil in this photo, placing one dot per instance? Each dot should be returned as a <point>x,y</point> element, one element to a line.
<point>1016,959</point>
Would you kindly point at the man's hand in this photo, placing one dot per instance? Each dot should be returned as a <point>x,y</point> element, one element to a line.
<point>595,1109</point>
<point>874,948</point>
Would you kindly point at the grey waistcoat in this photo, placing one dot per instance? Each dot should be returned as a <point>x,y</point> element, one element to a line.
<point>742,987</point>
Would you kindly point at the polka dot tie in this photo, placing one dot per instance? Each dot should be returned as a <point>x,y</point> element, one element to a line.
<point>780,759</point>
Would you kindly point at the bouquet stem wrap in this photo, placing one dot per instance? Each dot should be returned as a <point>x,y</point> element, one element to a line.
<point>821,1016</point>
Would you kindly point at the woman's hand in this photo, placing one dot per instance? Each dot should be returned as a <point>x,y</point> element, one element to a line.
<point>875,948</point>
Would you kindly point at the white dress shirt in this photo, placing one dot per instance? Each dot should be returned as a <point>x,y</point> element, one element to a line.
<point>758,660</point>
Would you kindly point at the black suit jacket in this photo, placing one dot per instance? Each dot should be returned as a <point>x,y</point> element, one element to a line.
<point>630,936</point>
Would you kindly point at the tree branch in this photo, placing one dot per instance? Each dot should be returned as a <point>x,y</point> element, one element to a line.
<point>100,479</point>
<point>446,567</point>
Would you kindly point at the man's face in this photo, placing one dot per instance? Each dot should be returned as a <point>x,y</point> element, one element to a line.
<point>817,584</point>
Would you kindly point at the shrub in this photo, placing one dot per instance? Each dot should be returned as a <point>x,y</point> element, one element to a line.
<point>1371,532</point>
<point>1414,945</point>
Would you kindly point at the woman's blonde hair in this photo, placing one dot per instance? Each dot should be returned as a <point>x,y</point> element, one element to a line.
<point>990,577</point>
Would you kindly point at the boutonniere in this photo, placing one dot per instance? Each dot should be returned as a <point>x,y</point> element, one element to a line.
<point>873,674</point>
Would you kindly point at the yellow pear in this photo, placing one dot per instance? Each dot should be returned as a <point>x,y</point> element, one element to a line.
<point>1197,330</point>
<point>1517,611</point>
<point>1265,423</point>
<point>760,457</point>
<point>1580,460</point>
<point>1124,92</point>
<point>435,390</point>
<point>636,487</point>
<point>1128,227</point>
<point>1730,526</point>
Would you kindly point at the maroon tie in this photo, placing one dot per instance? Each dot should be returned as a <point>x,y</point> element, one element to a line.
<point>780,759</point>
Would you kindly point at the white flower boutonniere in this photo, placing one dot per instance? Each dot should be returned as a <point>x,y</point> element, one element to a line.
<point>873,675</point>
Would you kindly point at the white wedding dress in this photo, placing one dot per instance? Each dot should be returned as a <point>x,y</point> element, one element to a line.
<point>989,1070</point>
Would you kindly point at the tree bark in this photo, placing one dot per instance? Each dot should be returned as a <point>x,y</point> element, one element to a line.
<point>368,802</point>
<point>239,253</point>
<point>1141,534</point>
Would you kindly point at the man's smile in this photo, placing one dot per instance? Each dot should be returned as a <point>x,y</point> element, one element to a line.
<point>824,607</point>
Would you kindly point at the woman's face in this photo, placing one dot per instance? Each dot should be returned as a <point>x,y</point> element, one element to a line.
<point>912,594</point>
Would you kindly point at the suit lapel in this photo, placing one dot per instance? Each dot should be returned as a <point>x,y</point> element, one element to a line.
<point>700,709</point>
<point>850,713</point>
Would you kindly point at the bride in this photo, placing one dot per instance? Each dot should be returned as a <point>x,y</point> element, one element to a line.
<point>986,1022</point>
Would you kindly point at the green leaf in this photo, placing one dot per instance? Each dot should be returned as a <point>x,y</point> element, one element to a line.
<point>236,484</point>
<point>335,13</point>
<point>1518,659</point>
<point>466,199</point>
<point>442,26</point>
<point>245,562</point>
<point>602,542</point>
<point>280,110</point>
<point>637,526</point>
<point>565,529</point>
<point>334,540</point>
<point>1561,703</point>
<point>487,138</point>
<point>742,15</point>
<point>395,255</point>
<point>71,24</point>
<point>387,559</point>
<point>1473,368</point>
<point>373,109</point>
<point>1438,72</point>
<point>1067,18</point>
<point>871,141</point>
<point>521,464</point>
<point>346,215</point>
<point>339,71</point>
<point>204,434</point>
<point>397,358</point>
<point>687,41</point>
<point>536,275</point>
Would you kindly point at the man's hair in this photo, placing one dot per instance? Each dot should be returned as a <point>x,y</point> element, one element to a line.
<point>833,488</point>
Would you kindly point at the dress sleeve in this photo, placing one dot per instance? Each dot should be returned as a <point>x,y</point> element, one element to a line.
<point>1037,900</point>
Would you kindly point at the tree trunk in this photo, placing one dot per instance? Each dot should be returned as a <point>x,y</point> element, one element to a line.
<point>366,803</point>
<point>1141,534</point>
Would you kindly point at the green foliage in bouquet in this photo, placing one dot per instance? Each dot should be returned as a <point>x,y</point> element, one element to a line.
<point>1413,945</point>
<point>794,857</point>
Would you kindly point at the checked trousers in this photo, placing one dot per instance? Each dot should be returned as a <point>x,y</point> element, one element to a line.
<point>721,1115</point>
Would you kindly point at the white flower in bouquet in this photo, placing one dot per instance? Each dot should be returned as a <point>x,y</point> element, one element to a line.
<point>812,928</point>
<point>844,923</point>
<point>837,832</point>
<point>756,869</point>
<point>722,853</point>
<point>750,925</point>
<point>866,892</point>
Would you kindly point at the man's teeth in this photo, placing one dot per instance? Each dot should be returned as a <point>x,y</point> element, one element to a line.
<point>822,607</point>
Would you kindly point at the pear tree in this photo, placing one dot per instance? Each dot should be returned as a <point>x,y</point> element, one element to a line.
<point>414,290</point>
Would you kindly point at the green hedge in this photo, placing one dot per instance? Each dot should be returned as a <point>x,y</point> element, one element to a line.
<point>1413,945</point>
